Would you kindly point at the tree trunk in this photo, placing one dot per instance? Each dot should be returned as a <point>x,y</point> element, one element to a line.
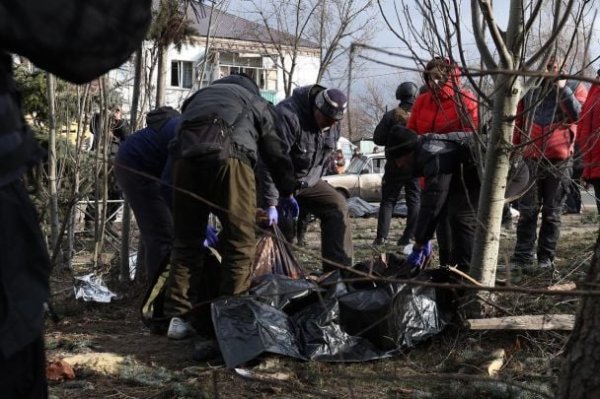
<point>161,76</point>
<point>579,377</point>
<point>126,229</point>
<point>52,167</point>
<point>491,199</point>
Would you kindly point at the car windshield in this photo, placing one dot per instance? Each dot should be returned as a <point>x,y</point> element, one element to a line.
<point>356,165</point>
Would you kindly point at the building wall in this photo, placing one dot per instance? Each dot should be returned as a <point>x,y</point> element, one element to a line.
<point>305,73</point>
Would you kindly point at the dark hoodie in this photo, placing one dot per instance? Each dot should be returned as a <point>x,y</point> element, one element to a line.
<point>236,97</point>
<point>309,148</point>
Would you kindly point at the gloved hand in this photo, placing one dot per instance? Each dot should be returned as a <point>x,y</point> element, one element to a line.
<point>289,207</point>
<point>417,257</point>
<point>273,215</point>
<point>212,239</point>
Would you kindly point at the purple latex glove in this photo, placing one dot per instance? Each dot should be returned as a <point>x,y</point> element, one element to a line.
<point>212,239</point>
<point>272,215</point>
<point>417,257</point>
<point>289,207</point>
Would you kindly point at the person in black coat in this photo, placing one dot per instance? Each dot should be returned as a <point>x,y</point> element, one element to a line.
<point>394,178</point>
<point>451,188</point>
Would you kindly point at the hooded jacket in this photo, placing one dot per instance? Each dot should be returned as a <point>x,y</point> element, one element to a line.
<point>308,147</point>
<point>234,98</point>
<point>452,109</point>
<point>547,117</point>
<point>588,134</point>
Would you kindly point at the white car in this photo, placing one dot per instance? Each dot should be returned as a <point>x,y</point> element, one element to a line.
<point>362,178</point>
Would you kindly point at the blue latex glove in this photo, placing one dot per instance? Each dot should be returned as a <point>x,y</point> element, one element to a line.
<point>289,207</point>
<point>417,258</point>
<point>212,239</point>
<point>273,215</point>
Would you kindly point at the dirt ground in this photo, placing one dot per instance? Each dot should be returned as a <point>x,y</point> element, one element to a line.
<point>114,356</point>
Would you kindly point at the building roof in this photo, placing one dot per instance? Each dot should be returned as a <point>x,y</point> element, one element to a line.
<point>228,26</point>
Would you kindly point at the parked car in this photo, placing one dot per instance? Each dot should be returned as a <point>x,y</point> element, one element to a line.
<point>362,178</point>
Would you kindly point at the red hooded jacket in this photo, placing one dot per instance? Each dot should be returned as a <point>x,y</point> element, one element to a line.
<point>453,109</point>
<point>588,134</point>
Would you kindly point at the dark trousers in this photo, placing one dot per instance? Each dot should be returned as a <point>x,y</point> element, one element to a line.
<point>23,375</point>
<point>153,216</point>
<point>573,198</point>
<point>228,191</point>
<point>456,229</point>
<point>331,209</point>
<point>390,192</point>
<point>546,194</point>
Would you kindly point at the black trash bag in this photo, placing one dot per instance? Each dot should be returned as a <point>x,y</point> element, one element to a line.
<point>281,291</point>
<point>367,313</point>
<point>321,337</point>
<point>274,256</point>
<point>247,328</point>
<point>415,316</point>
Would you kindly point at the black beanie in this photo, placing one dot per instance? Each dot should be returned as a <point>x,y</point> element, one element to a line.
<point>401,141</point>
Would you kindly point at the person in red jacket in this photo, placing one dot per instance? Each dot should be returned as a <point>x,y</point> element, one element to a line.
<point>447,107</point>
<point>546,129</point>
<point>588,139</point>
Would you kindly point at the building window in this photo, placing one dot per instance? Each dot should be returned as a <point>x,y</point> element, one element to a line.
<point>182,74</point>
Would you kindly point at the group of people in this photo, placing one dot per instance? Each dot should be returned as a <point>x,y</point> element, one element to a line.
<point>432,137</point>
<point>209,159</point>
<point>227,140</point>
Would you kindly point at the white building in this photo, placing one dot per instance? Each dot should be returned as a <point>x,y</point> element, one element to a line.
<point>234,45</point>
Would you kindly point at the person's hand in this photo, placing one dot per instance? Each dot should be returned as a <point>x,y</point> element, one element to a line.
<point>212,239</point>
<point>419,255</point>
<point>289,207</point>
<point>272,215</point>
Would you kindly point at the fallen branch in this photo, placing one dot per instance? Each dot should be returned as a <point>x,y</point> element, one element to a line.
<point>562,322</point>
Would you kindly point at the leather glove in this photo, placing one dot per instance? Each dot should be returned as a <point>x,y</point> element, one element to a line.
<point>212,239</point>
<point>289,207</point>
<point>272,215</point>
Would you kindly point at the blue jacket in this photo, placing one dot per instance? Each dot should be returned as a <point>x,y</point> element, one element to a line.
<point>147,149</point>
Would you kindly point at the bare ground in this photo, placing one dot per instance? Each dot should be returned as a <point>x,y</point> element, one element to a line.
<point>116,357</point>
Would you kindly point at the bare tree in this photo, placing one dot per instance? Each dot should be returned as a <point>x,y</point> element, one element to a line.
<point>337,24</point>
<point>367,109</point>
<point>287,25</point>
<point>508,55</point>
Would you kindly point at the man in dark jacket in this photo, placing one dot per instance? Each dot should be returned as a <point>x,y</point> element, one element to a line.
<point>451,188</point>
<point>309,127</point>
<point>224,128</point>
<point>394,178</point>
<point>83,41</point>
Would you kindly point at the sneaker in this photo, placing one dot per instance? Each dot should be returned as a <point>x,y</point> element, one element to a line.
<point>180,329</point>
<point>379,241</point>
<point>546,264</point>
<point>520,266</point>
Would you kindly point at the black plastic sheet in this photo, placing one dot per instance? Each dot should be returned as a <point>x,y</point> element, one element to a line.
<point>331,321</point>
